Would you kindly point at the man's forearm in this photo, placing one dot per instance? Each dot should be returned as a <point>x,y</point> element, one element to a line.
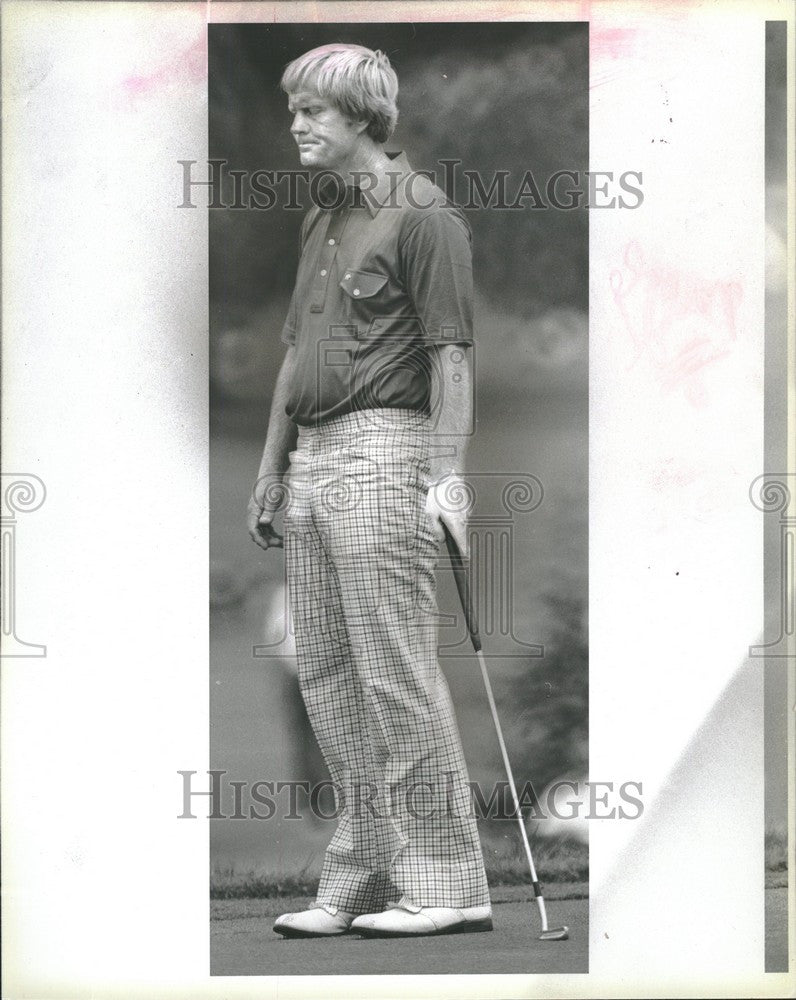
<point>281,437</point>
<point>452,399</point>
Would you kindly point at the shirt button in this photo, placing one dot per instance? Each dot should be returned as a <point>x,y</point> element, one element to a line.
<point>331,243</point>
<point>323,272</point>
<point>356,291</point>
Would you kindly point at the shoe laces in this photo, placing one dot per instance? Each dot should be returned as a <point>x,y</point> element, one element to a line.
<point>405,903</point>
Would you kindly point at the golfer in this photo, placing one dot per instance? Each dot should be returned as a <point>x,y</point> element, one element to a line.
<point>366,439</point>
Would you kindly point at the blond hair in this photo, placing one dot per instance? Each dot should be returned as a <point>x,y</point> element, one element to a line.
<point>361,83</point>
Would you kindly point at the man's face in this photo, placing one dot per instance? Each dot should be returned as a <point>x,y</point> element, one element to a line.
<point>326,138</point>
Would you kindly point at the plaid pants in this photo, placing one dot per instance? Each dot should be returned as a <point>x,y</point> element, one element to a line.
<point>361,555</point>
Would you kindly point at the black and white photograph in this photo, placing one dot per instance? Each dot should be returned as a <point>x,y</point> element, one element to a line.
<point>424,359</point>
<point>398,498</point>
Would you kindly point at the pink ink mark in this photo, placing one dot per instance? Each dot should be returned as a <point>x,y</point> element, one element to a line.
<point>607,46</point>
<point>190,63</point>
<point>679,322</point>
<point>670,476</point>
<point>612,43</point>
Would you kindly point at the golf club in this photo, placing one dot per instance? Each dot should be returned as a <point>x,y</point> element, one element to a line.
<point>463,586</point>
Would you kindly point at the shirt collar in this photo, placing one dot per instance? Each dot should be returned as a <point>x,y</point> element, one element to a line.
<point>376,195</point>
<point>387,182</point>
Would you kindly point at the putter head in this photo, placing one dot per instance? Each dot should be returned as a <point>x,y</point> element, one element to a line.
<point>555,934</point>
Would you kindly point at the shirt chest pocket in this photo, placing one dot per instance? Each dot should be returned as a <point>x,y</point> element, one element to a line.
<point>365,299</point>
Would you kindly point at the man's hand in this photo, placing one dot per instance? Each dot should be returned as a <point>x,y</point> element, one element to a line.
<point>259,521</point>
<point>449,501</point>
<point>270,492</point>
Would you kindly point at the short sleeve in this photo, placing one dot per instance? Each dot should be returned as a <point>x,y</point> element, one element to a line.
<point>290,327</point>
<point>437,263</point>
<point>291,322</point>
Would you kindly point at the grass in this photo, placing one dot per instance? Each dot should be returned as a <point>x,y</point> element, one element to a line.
<point>229,883</point>
<point>556,861</point>
<point>560,859</point>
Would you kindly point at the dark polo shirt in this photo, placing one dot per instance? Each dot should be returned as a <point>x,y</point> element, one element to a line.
<point>383,280</point>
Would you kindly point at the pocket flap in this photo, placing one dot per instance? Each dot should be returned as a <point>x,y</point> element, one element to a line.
<point>362,284</point>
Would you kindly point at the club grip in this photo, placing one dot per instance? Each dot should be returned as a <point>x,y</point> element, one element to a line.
<point>461,576</point>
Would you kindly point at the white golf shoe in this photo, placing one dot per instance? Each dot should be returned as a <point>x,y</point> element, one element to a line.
<point>320,920</point>
<point>406,919</point>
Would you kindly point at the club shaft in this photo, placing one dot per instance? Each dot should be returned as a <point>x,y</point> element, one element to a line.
<point>460,572</point>
<point>507,765</point>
